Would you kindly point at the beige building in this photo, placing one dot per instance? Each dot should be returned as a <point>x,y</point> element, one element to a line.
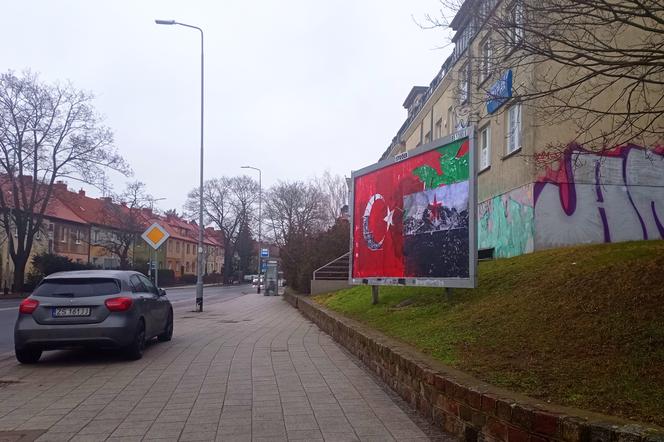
<point>533,193</point>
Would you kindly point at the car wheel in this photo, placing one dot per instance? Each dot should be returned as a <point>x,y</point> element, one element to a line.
<point>28,355</point>
<point>135,349</point>
<point>168,330</point>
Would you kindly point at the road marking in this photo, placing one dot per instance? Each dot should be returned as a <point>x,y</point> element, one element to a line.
<point>8,308</point>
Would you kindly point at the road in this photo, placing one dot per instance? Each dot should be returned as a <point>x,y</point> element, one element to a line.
<point>182,298</point>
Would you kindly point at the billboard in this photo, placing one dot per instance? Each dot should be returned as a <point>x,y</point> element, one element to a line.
<point>413,217</point>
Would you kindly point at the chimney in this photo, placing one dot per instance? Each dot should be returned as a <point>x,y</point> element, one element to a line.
<point>81,192</point>
<point>60,186</point>
<point>25,179</point>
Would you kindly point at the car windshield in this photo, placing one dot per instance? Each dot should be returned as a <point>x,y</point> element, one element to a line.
<point>77,287</point>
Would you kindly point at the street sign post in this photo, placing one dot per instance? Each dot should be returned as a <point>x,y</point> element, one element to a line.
<point>155,236</point>
<point>265,253</point>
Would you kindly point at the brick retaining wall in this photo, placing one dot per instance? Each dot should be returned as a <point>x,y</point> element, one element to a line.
<point>461,404</point>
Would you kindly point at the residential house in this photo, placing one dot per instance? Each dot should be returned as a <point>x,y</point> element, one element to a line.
<point>577,197</point>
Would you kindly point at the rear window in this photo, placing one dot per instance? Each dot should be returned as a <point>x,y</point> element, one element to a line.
<point>77,288</point>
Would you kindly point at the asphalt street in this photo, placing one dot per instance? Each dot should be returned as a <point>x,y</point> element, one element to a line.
<point>182,298</point>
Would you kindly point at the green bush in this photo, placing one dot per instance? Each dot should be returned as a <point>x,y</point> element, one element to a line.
<point>47,263</point>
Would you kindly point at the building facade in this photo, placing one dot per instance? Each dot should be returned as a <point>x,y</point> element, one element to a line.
<point>539,186</point>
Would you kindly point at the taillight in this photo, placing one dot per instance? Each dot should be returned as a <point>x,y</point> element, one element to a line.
<point>121,304</point>
<point>28,306</point>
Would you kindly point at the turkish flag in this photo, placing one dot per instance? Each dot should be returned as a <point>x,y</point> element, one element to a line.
<point>378,216</point>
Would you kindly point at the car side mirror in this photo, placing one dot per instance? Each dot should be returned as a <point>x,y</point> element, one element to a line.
<point>162,292</point>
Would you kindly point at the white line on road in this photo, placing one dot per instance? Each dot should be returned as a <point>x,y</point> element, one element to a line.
<point>9,308</point>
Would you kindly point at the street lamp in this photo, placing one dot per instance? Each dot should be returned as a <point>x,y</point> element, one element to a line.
<point>260,193</point>
<point>201,227</point>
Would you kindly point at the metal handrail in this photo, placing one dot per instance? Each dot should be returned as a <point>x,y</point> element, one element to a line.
<point>321,268</point>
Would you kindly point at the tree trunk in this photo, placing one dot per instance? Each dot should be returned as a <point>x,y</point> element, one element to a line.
<point>19,273</point>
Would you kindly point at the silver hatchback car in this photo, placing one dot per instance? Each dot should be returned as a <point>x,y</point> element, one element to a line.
<point>92,308</point>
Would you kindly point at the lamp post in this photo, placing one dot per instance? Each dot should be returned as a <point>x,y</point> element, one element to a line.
<point>201,227</point>
<point>260,193</point>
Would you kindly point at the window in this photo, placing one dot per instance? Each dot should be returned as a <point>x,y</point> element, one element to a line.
<point>450,120</point>
<point>485,61</point>
<point>78,236</point>
<point>427,137</point>
<point>464,83</point>
<point>177,246</point>
<point>63,234</point>
<point>137,284</point>
<point>439,128</point>
<point>516,21</point>
<point>188,248</point>
<point>148,284</point>
<point>514,128</point>
<point>485,147</point>
<point>78,287</point>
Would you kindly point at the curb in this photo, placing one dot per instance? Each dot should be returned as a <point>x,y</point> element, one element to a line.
<point>461,404</point>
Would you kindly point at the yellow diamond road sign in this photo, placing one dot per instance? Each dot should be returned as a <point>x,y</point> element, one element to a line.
<point>155,235</point>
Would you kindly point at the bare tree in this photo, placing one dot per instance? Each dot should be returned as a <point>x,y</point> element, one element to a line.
<point>296,213</point>
<point>294,209</point>
<point>594,63</point>
<point>47,132</point>
<point>228,203</point>
<point>124,215</point>
<point>334,191</point>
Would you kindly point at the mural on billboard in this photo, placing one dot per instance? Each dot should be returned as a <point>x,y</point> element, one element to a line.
<point>411,218</point>
<point>614,196</point>
<point>506,223</point>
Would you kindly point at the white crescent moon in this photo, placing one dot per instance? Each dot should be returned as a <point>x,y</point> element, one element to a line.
<point>368,234</point>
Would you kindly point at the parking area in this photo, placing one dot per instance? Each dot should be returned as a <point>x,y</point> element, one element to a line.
<point>248,368</point>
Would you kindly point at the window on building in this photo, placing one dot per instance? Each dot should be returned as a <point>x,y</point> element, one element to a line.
<point>78,236</point>
<point>427,137</point>
<point>516,17</point>
<point>485,61</point>
<point>450,120</point>
<point>188,249</point>
<point>186,266</point>
<point>63,234</point>
<point>439,128</point>
<point>485,147</point>
<point>513,128</point>
<point>177,246</point>
<point>464,84</point>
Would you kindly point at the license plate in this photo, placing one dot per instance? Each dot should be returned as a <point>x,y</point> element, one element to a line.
<point>64,312</point>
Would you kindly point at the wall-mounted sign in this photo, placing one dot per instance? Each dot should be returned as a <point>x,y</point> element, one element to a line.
<point>499,93</point>
<point>265,253</point>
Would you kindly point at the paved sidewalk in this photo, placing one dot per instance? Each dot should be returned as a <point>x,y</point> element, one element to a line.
<point>248,369</point>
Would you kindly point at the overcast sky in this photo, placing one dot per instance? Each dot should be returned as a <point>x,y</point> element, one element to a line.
<point>293,87</point>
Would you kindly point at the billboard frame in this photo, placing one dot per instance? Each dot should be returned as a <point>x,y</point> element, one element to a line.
<point>471,281</point>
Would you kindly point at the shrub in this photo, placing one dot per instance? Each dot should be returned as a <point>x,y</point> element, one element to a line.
<point>188,279</point>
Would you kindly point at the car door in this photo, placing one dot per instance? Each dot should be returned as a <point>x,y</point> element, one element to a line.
<point>142,296</point>
<point>152,303</point>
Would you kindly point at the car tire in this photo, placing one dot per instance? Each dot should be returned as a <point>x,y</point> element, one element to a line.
<point>28,355</point>
<point>168,330</point>
<point>135,349</point>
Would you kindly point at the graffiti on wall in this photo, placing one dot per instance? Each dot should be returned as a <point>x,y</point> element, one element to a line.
<point>506,223</point>
<point>614,196</point>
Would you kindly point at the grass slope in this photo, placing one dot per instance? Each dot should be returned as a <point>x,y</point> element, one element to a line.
<point>580,326</point>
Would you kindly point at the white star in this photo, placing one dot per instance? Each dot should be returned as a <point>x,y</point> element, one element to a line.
<point>388,218</point>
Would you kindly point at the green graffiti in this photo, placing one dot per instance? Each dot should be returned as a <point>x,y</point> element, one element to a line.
<point>507,226</point>
<point>454,169</point>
